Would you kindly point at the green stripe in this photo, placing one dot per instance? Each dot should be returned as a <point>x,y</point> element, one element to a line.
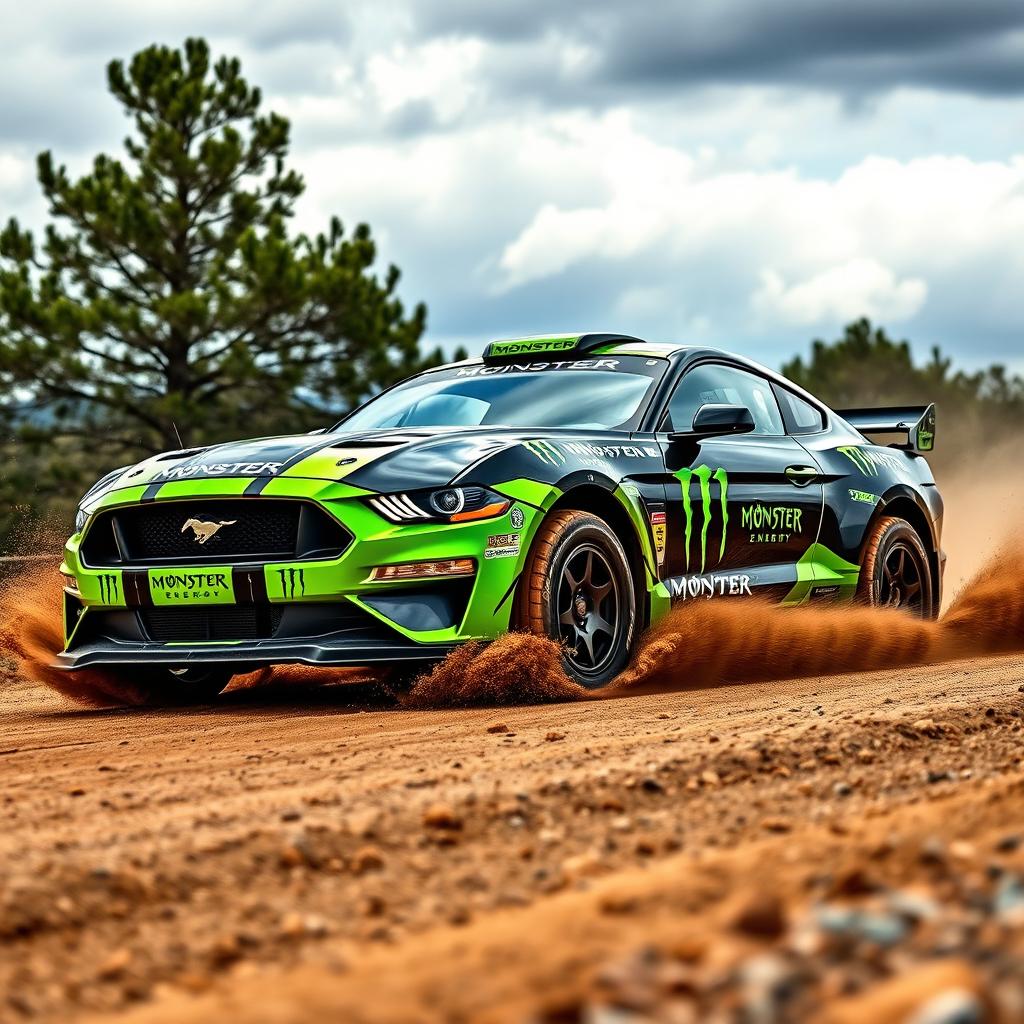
<point>820,566</point>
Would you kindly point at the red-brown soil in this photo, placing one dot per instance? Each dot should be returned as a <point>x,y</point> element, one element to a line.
<point>772,816</point>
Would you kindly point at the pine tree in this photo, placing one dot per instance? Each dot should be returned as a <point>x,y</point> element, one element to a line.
<point>168,297</point>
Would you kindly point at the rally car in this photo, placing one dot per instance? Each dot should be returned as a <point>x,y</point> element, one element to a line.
<point>574,486</point>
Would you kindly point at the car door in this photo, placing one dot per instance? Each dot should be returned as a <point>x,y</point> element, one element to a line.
<point>742,509</point>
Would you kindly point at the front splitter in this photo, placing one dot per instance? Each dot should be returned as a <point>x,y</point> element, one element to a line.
<point>316,651</point>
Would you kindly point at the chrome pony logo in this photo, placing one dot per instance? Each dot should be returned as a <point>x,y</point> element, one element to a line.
<point>204,531</point>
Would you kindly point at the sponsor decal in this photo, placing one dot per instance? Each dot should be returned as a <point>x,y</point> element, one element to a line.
<point>658,520</point>
<point>188,470</point>
<point>502,545</point>
<point>865,496</point>
<point>529,346</point>
<point>501,540</point>
<point>545,451</point>
<point>510,552</point>
<point>108,588</point>
<point>705,475</point>
<point>516,518</point>
<point>868,461</point>
<point>688,588</point>
<point>610,451</point>
<point>554,454</point>
<point>204,531</point>
<point>293,582</point>
<point>190,586</point>
<point>572,364</point>
<point>771,524</point>
<point>824,593</point>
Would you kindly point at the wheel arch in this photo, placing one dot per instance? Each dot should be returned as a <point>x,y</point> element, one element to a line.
<point>904,505</point>
<point>602,502</point>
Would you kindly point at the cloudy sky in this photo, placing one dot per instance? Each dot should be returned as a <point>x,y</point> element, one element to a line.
<point>745,173</point>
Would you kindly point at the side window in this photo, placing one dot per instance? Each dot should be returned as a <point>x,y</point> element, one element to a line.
<point>717,384</point>
<point>800,416</point>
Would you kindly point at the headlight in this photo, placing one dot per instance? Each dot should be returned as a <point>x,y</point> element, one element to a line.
<point>446,505</point>
<point>449,502</point>
<point>81,518</point>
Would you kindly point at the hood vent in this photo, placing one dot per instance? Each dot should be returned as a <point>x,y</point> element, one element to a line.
<point>379,440</point>
<point>186,453</point>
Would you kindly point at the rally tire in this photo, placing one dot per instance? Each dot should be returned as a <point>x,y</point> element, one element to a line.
<point>182,687</point>
<point>896,570</point>
<point>577,589</point>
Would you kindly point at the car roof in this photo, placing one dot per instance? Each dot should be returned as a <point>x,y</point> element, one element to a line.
<point>604,344</point>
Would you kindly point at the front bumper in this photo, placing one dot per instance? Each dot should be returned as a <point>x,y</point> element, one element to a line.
<point>106,608</point>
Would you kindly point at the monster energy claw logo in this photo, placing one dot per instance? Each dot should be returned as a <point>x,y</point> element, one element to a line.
<point>705,475</point>
<point>868,461</point>
<point>290,579</point>
<point>108,588</point>
<point>545,451</point>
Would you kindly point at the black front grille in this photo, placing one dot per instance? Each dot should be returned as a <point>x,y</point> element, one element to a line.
<point>214,622</point>
<point>221,531</point>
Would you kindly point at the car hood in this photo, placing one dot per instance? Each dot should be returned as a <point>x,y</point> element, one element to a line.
<point>380,460</point>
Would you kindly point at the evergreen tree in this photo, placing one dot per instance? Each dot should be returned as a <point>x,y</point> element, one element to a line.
<point>168,297</point>
<point>866,367</point>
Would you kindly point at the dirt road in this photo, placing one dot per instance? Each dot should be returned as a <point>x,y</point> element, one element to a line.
<point>299,855</point>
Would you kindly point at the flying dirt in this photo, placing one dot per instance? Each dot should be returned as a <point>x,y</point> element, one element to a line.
<point>781,814</point>
<point>696,646</point>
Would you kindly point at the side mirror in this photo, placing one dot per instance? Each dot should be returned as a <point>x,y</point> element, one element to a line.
<point>716,421</point>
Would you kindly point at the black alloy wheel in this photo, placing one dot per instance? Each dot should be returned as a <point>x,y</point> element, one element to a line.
<point>577,588</point>
<point>901,579</point>
<point>588,609</point>
<point>896,571</point>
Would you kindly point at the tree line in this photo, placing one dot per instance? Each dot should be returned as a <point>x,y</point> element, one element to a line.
<point>169,303</point>
<point>866,367</point>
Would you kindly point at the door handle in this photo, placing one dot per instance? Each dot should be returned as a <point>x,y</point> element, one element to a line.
<point>801,476</point>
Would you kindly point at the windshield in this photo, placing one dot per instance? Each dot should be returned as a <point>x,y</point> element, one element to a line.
<point>600,393</point>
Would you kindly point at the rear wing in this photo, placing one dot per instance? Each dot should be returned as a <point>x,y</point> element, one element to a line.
<point>915,422</point>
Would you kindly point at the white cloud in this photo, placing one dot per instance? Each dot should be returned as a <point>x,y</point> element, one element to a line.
<point>859,287</point>
<point>532,224</point>
<point>15,173</point>
<point>786,249</point>
<point>439,73</point>
<point>518,192</point>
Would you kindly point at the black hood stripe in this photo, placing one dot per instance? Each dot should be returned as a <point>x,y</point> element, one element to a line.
<point>257,486</point>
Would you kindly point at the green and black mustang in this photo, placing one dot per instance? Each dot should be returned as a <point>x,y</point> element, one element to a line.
<point>575,486</point>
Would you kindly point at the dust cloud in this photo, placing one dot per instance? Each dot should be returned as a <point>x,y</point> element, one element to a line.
<point>697,645</point>
<point>984,509</point>
<point>31,634</point>
<point>713,644</point>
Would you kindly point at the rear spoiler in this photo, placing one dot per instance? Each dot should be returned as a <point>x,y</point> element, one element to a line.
<point>916,422</point>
